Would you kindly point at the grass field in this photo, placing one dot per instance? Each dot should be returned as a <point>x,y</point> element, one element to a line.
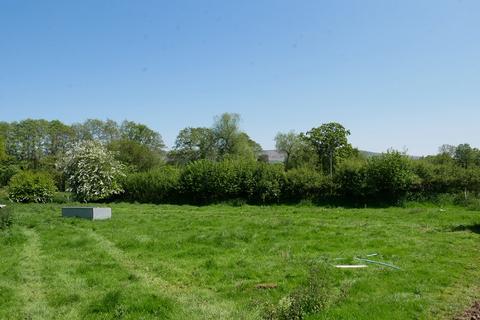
<point>183,262</point>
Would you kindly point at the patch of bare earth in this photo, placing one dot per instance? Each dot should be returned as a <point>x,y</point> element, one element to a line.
<point>471,314</point>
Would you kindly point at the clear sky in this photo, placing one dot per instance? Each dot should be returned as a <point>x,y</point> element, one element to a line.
<point>401,74</point>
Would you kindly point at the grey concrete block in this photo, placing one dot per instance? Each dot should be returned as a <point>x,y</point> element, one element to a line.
<point>88,213</point>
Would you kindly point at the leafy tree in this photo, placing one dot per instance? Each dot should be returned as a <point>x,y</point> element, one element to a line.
<point>227,131</point>
<point>464,155</point>
<point>98,130</point>
<point>290,144</point>
<point>194,144</point>
<point>247,148</point>
<point>224,140</point>
<point>142,134</point>
<point>58,137</point>
<point>330,141</point>
<point>136,156</point>
<point>230,141</point>
<point>91,171</point>
<point>26,141</point>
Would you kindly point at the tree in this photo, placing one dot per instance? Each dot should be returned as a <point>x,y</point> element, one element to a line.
<point>142,134</point>
<point>464,155</point>
<point>194,144</point>
<point>136,156</point>
<point>288,143</point>
<point>330,141</point>
<point>230,141</point>
<point>91,171</point>
<point>98,130</point>
<point>26,141</point>
<point>58,137</point>
<point>226,131</point>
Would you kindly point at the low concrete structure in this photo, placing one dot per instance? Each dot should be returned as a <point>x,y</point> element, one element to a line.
<point>88,213</point>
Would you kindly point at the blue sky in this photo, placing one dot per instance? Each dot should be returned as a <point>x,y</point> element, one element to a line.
<point>401,74</point>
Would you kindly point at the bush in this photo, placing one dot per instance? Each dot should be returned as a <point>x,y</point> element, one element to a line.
<point>437,178</point>
<point>206,181</point>
<point>30,186</point>
<point>199,182</point>
<point>156,186</point>
<point>350,181</point>
<point>6,218</point>
<point>92,172</point>
<point>389,177</point>
<point>304,184</point>
<point>7,171</point>
<point>269,182</point>
<point>308,299</point>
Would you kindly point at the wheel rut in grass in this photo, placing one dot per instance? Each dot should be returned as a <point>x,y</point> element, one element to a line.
<point>32,286</point>
<point>202,304</point>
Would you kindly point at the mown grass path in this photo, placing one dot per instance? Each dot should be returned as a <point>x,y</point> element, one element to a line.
<point>32,286</point>
<point>201,305</point>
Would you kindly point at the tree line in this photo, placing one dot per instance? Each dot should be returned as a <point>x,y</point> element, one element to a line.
<point>222,163</point>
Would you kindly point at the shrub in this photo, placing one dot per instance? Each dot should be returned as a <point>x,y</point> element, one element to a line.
<point>199,182</point>
<point>6,218</point>
<point>304,183</point>
<point>350,181</point>
<point>308,299</point>
<point>437,178</point>
<point>205,181</point>
<point>7,171</point>
<point>30,186</point>
<point>92,172</point>
<point>389,177</point>
<point>269,180</point>
<point>159,185</point>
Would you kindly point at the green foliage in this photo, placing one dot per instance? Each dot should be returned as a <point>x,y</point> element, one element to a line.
<point>156,186</point>
<point>308,299</point>
<point>194,144</point>
<point>466,156</point>
<point>389,177</point>
<point>330,142</point>
<point>199,182</point>
<point>91,171</point>
<point>304,184</point>
<point>3,149</point>
<point>6,217</point>
<point>206,181</point>
<point>30,186</point>
<point>298,152</point>
<point>269,182</point>
<point>7,171</point>
<point>98,130</point>
<point>135,155</point>
<point>350,180</point>
<point>223,141</point>
<point>142,134</point>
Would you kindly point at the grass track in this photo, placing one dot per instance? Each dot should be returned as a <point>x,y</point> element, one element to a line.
<point>181,262</point>
<point>32,291</point>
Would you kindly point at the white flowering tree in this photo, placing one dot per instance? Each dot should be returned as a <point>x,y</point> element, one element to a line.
<point>91,171</point>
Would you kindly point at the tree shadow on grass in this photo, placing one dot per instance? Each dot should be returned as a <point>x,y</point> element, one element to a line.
<point>475,228</point>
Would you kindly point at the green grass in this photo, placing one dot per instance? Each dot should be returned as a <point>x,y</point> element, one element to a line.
<point>184,262</point>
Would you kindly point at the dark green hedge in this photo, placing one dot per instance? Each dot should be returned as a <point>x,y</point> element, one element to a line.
<point>386,179</point>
